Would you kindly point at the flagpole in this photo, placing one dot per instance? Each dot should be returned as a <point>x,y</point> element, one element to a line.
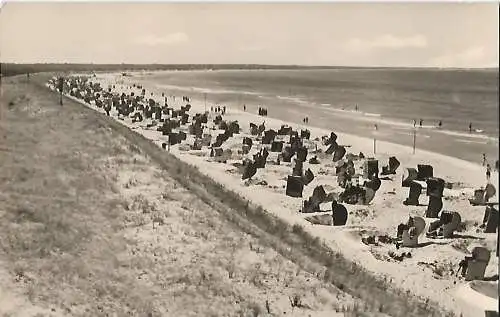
<point>414,139</point>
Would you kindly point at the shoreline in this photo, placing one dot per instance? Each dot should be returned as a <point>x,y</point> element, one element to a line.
<point>338,239</point>
<point>342,135</point>
<point>453,143</point>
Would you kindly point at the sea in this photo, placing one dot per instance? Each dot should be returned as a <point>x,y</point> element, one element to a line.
<point>402,106</point>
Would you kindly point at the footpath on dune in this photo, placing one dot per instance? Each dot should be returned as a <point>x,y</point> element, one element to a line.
<point>123,271</point>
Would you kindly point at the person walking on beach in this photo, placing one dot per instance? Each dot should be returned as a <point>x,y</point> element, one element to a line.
<point>224,110</point>
<point>470,127</point>
<point>414,123</point>
<point>488,172</point>
<point>440,124</point>
<point>244,108</point>
<point>421,121</point>
<point>484,159</point>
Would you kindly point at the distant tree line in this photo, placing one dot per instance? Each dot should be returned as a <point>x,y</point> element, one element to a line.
<point>10,69</point>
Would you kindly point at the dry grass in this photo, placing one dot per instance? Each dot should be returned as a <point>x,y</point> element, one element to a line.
<point>91,227</point>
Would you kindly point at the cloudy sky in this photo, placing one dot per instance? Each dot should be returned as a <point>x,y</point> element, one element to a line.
<point>344,34</point>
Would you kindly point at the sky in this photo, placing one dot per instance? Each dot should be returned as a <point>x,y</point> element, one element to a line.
<point>462,35</point>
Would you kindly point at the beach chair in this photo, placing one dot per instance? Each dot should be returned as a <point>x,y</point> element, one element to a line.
<point>409,175</point>
<point>287,154</point>
<point>342,177</point>
<point>245,149</point>
<point>424,172</point>
<point>302,154</point>
<point>413,195</point>
<point>305,134</point>
<point>310,206</point>
<point>434,207</point>
<point>308,177</point>
<point>249,170</point>
<point>319,194</point>
<point>392,167</point>
<point>450,227</point>
<point>340,166</point>
<point>184,118</point>
<point>339,153</point>
<point>294,186</point>
<point>182,136</point>
<point>489,192</point>
<point>247,141</point>
<point>332,147</point>
<point>234,127</point>
<point>254,130</point>
<point>173,138</point>
<point>370,169</point>
<point>297,168</point>
<point>490,219</point>
<point>435,187</point>
<point>478,199</point>
<point>268,137</point>
<point>196,145</point>
<point>477,266</point>
<point>410,236</point>
<point>277,146</point>
<point>339,214</point>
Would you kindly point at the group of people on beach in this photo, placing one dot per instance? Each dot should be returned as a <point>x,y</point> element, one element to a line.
<point>262,112</point>
<point>218,109</point>
<point>439,125</point>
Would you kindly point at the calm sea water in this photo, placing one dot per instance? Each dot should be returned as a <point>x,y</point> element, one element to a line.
<point>392,99</point>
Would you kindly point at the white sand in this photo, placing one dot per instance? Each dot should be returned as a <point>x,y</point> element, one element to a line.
<point>384,213</point>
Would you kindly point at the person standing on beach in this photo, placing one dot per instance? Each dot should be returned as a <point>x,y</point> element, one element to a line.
<point>484,159</point>
<point>224,110</point>
<point>414,123</point>
<point>421,121</point>
<point>488,172</point>
<point>470,127</point>
<point>440,124</point>
<point>244,108</point>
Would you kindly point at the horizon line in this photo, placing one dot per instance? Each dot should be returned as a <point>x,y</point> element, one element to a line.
<point>207,65</point>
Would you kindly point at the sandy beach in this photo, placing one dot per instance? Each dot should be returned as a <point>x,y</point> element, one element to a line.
<point>428,274</point>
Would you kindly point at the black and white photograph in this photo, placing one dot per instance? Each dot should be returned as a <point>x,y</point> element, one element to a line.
<point>249,159</point>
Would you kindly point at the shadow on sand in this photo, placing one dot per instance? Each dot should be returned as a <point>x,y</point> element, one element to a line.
<point>466,236</point>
